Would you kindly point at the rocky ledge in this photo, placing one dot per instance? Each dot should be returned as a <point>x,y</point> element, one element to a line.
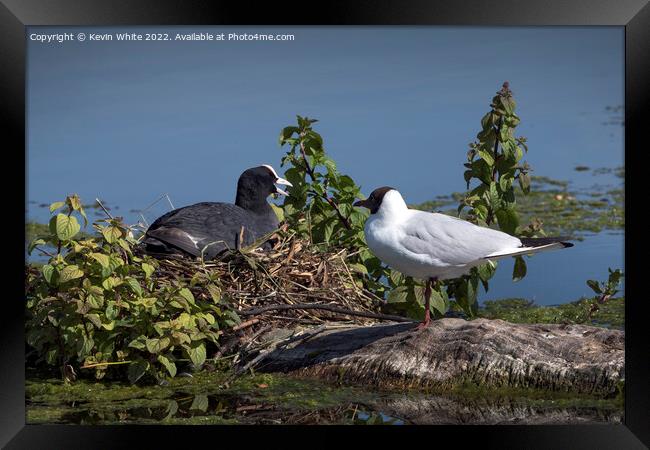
<point>453,352</point>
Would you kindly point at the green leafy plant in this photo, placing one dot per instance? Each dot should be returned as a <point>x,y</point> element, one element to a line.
<point>493,166</point>
<point>607,289</point>
<point>319,207</point>
<point>97,305</point>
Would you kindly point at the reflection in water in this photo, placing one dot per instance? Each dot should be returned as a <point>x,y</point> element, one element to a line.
<point>385,409</point>
<point>500,410</point>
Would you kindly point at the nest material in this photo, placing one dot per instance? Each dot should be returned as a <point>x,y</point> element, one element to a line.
<point>291,273</point>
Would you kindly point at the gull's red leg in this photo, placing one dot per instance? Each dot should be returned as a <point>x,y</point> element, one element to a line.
<point>427,300</point>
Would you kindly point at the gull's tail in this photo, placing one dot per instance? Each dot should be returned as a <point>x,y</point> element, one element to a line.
<point>555,242</point>
<point>532,245</point>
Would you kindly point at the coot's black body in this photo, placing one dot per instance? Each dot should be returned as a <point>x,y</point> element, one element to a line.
<point>219,226</point>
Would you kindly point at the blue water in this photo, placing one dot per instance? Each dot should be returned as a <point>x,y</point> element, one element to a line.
<point>559,276</point>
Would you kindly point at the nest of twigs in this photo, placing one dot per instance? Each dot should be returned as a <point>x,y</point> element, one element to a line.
<point>293,284</point>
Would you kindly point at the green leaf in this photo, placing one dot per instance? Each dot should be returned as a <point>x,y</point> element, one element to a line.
<point>200,403</point>
<point>279,212</point>
<point>286,134</point>
<point>437,302</point>
<point>71,272</point>
<point>196,352</point>
<point>593,284</point>
<point>614,277</point>
<point>172,409</point>
<point>74,202</point>
<point>398,294</point>
<point>359,268</point>
<point>486,271</point>
<point>465,294</point>
<point>101,258</point>
<point>187,295</point>
<point>519,270</point>
<point>158,345</point>
<point>139,343</point>
<point>64,227</point>
<point>95,299</point>
<point>494,195</point>
<point>84,346</point>
<point>35,243</point>
<point>508,220</point>
<point>111,233</point>
<point>396,277</point>
<point>49,273</point>
<point>482,171</point>
<point>112,311</point>
<point>215,292</point>
<point>83,214</point>
<point>94,319</point>
<point>56,205</point>
<point>504,182</point>
<point>148,269</point>
<point>328,229</point>
<point>114,262</point>
<point>134,285</point>
<point>111,282</point>
<point>486,121</point>
<point>169,365</point>
<point>487,156</point>
<point>518,153</point>
<point>508,104</point>
<point>137,369</point>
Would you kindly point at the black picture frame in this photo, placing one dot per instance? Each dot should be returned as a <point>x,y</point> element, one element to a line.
<point>634,15</point>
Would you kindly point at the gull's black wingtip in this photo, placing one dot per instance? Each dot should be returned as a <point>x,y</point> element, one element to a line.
<point>539,242</point>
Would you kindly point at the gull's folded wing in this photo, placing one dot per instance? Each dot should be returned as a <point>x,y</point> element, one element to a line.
<point>453,241</point>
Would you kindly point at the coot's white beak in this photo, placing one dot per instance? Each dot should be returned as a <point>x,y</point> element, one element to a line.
<point>284,182</point>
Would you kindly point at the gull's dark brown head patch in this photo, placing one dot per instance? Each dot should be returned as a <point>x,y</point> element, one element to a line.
<point>373,202</point>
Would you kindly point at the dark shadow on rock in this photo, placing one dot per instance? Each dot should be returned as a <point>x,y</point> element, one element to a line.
<point>322,346</point>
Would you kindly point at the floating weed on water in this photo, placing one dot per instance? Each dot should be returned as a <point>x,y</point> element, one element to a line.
<point>561,210</point>
<point>198,400</point>
<point>610,314</point>
<point>292,400</point>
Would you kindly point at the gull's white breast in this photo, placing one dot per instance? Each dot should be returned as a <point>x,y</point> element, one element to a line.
<point>383,238</point>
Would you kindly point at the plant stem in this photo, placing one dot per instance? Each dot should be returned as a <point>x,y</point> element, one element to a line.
<point>335,309</point>
<point>490,216</point>
<point>90,366</point>
<point>310,171</point>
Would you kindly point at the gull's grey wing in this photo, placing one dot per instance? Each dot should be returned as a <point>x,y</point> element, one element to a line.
<point>452,241</point>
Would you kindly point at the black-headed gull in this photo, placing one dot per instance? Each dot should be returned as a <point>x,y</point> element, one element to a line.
<point>434,246</point>
<point>214,227</point>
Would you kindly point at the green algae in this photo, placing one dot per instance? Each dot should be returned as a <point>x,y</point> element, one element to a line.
<point>609,314</point>
<point>205,398</point>
<point>561,209</point>
<point>209,398</point>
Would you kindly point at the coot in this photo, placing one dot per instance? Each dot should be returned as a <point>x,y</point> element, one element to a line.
<point>213,227</point>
